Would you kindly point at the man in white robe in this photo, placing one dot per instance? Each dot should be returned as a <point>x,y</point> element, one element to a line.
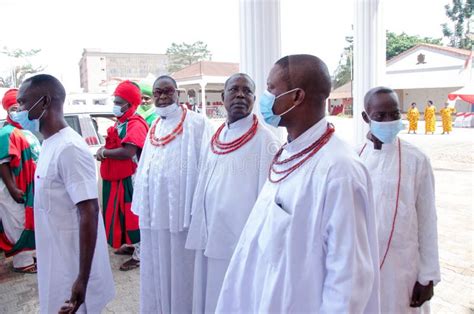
<point>310,243</point>
<point>405,206</point>
<point>229,183</point>
<point>164,188</point>
<point>73,261</point>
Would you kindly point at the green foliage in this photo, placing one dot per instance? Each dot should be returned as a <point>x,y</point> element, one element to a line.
<point>343,73</point>
<point>182,55</point>
<point>20,69</point>
<point>398,43</point>
<point>459,14</point>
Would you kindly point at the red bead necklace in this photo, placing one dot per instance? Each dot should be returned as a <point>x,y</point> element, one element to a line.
<point>396,202</point>
<point>220,148</point>
<point>162,141</point>
<point>308,151</point>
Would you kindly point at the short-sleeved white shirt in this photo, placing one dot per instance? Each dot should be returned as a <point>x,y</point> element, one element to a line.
<point>66,175</point>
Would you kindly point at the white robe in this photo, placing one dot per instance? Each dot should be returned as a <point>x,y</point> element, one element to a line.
<point>413,254</point>
<point>164,187</point>
<point>66,175</point>
<point>227,189</point>
<point>310,243</point>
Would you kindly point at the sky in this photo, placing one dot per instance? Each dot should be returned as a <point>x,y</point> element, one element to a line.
<point>62,29</point>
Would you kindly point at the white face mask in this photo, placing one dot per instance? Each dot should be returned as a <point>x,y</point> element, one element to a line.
<point>117,110</point>
<point>166,111</point>
<point>386,131</point>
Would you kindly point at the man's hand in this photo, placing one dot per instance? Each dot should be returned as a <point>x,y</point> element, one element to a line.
<point>17,195</point>
<point>78,295</point>
<point>421,294</point>
<point>99,154</point>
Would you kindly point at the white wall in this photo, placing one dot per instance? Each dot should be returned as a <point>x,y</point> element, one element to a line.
<point>95,74</point>
<point>438,95</point>
<point>441,69</point>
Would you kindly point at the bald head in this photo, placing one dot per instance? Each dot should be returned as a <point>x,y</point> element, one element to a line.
<point>238,75</point>
<point>308,73</point>
<point>378,92</point>
<point>43,85</point>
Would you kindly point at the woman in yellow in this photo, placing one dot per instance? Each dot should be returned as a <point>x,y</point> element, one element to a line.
<point>446,118</point>
<point>430,118</point>
<point>413,115</point>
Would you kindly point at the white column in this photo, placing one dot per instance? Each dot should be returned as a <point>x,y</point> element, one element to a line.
<point>260,43</point>
<point>369,57</point>
<point>203,97</point>
<point>260,39</point>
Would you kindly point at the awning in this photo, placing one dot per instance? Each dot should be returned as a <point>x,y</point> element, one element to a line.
<point>466,93</point>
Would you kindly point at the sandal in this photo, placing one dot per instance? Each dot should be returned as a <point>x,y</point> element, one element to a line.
<point>31,269</point>
<point>125,250</point>
<point>130,264</point>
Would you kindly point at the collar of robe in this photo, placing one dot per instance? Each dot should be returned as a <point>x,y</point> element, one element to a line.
<point>162,141</point>
<point>303,155</point>
<point>222,148</point>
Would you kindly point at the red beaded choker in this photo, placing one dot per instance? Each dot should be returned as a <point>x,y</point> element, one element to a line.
<point>220,148</point>
<point>308,151</point>
<point>162,141</point>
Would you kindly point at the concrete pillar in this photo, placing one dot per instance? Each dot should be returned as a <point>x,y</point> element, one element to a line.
<point>369,57</point>
<point>260,39</point>
<point>260,43</point>
<point>203,97</point>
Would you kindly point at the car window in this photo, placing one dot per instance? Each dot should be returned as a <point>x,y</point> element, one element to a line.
<point>73,122</point>
<point>101,123</point>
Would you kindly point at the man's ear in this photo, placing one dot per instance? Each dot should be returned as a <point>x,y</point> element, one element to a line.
<point>46,101</point>
<point>365,117</point>
<point>222,96</point>
<point>299,97</point>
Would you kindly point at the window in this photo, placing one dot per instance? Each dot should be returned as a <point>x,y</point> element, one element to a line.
<point>73,122</point>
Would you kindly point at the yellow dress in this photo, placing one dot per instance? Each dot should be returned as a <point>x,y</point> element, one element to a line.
<point>430,119</point>
<point>446,119</point>
<point>413,115</point>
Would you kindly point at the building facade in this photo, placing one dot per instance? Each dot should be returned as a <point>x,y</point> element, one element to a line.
<point>424,72</point>
<point>98,68</point>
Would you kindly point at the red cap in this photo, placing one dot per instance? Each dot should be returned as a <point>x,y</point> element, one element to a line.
<point>9,99</point>
<point>130,92</point>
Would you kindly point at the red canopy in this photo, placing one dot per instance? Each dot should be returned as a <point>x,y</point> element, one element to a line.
<point>466,93</point>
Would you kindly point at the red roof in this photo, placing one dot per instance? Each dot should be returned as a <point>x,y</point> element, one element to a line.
<point>451,50</point>
<point>207,68</point>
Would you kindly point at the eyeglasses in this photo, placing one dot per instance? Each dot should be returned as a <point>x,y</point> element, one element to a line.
<point>167,91</point>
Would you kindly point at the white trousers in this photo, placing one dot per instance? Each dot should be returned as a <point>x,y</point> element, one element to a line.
<point>209,275</point>
<point>12,216</point>
<point>166,272</point>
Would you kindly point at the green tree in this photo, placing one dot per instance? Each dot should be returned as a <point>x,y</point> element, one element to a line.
<point>460,14</point>
<point>343,73</point>
<point>398,43</point>
<point>182,55</point>
<point>21,67</point>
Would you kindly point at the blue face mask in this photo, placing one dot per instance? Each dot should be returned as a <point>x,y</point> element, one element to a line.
<point>21,117</point>
<point>267,100</point>
<point>117,111</point>
<point>386,131</point>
